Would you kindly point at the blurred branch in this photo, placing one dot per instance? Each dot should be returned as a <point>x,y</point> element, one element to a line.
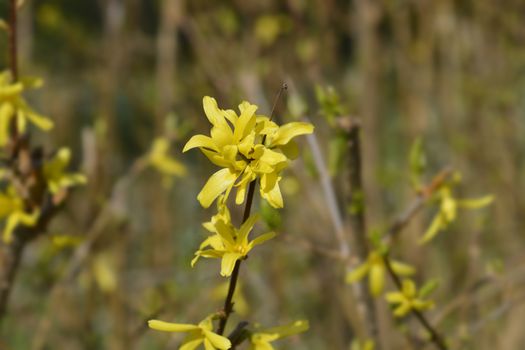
<point>435,337</point>
<point>114,209</point>
<point>13,60</point>
<point>362,306</point>
<point>396,228</point>
<point>356,203</point>
<point>11,254</point>
<point>329,194</point>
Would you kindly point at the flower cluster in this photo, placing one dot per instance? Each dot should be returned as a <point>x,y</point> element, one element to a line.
<point>13,104</point>
<point>407,299</point>
<point>247,147</point>
<point>375,268</point>
<point>29,176</point>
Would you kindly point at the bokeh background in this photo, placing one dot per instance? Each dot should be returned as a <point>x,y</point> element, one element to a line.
<point>120,73</point>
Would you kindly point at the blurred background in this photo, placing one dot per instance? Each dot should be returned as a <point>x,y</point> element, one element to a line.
<point>120,73</point>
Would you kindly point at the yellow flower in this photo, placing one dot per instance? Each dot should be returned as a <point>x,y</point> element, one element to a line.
<point>375,268</point>
<point>55,172</point>
<point>261,339</point>
<point>12,208</point>
<point>160,159</point>
<point>408,299</point>
<point>230,244</point>
<point>197,334</point>
<point>448,211</point>
<point>236,145</point>
<point>13,104</point>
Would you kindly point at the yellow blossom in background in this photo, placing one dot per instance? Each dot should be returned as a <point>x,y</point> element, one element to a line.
<point>358,344</point>
<point>12,209</point>
<point>197,334</point>
<point>55,172</point>
<point>375,268</point>
<point>230,244</point>
<point>236,145</point>
<point>160,159</point>
<point>448,211</point>
<point>13,104</point>
<point>261,339</point>
<point>408,299</point>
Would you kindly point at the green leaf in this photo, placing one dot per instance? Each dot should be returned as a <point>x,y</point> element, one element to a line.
<point>428,288</point>
<point>417,161</point>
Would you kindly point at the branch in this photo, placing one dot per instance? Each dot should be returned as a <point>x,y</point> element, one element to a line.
<point>11,254</point>
<point>397,227</point>
<point>435,337</point>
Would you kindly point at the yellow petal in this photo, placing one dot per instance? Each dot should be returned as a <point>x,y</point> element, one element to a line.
<point>6,113</point>
<point>222,135</point>
<point>409,288</point>
<point>274,196</point>
<point>402,310</point>
<point>357,273</point>
<point>436,225</point>
<point>402,268</point>
<point>476,203</point>
<point>216,185</point>
<point>218,341</point>
<point>263,238</point>
<point>241,193</point>
<point>228,263</point>
<point>288,330</point>
<point>288,131</point>
<point>394,297</point>
<point>171,327</point>
<point>211,110</point>
<point>16,219</point>
<point>246,227</point>
<point>191,343</point>
<point>200,141</point>
<point>42,122</point>
<point>246,121</point>
<point>376,279</point>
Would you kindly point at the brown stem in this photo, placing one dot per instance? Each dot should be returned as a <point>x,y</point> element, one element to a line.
<point>358,222</point>
<point>435,337</point>
<point>13,61</point>
<point>10,257</point>
<point>228,303</point>
<point>11,254</point>
<point>13,65</point>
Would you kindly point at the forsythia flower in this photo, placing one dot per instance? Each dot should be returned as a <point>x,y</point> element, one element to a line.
<point>261,339</point>
<point>160,159</point>
<point>408,299</point>
<point>375,267</point>
<point>13,104</point>
<point>448,211</point>
<point>54,172</point>
<point>245,147</point>
<point>228,243</point>
<point>12,208</point>
<point>197,334</point>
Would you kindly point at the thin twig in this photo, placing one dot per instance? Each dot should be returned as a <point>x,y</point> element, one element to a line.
<point>13,60</point>
<point>396,227</point>
<point>435,337</point>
